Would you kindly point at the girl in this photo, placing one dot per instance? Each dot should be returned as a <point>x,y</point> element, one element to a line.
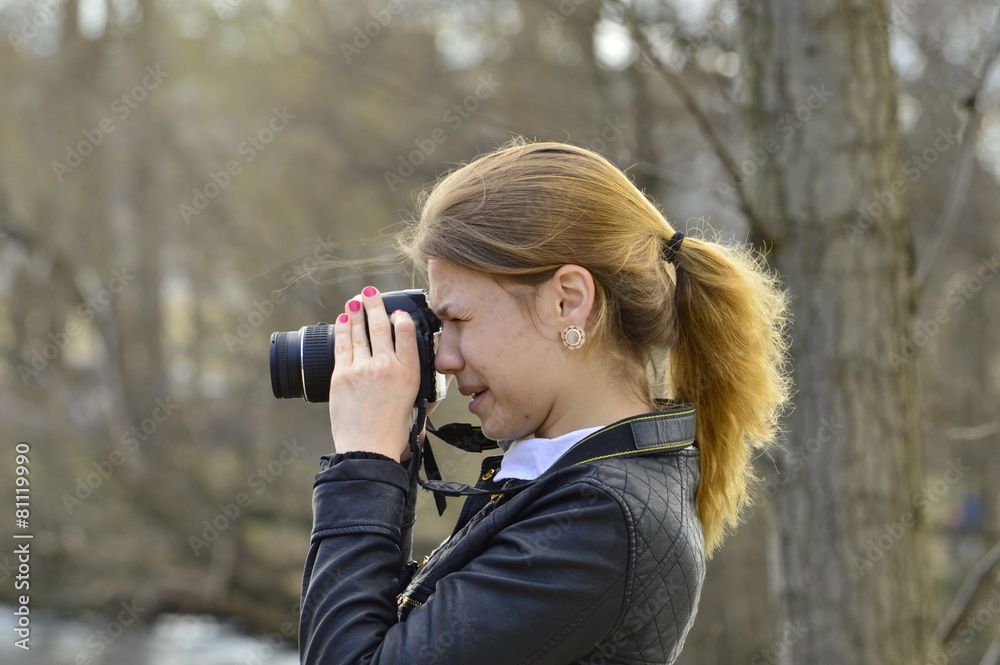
<point>569,307</point>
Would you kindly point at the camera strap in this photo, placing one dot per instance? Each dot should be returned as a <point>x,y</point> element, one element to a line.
<point>670,429</point>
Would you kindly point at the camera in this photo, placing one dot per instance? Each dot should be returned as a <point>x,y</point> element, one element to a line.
<point>302,360</point>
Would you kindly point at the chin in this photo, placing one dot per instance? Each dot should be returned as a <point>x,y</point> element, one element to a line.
<point>491,433</point>
<point>501,432</point>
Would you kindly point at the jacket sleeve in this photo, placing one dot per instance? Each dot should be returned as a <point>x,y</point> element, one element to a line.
<point>546,589</point>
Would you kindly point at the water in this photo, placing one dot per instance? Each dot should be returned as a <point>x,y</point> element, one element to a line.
<point>169,640</point>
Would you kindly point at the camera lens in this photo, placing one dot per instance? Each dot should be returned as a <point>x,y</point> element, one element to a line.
<point>302,362</point>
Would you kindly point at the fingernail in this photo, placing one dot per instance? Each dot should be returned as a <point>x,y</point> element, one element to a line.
<point>398,311</point>
<point>354,305</point>
<point>343,318</point>
<point>369,291</point>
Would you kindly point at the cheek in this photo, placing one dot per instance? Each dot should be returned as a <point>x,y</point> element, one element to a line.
<point>509,353</point>
<point>521,371</point>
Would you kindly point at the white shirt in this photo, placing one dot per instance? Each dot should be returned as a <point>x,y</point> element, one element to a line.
<point>526,459</point>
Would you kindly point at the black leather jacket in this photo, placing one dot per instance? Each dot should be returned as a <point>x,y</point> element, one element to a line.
<point>597,563</point>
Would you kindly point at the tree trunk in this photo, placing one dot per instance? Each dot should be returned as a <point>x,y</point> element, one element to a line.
<point>823,172</point>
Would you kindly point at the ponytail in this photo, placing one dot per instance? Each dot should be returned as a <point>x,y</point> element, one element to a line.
<point>729,360</point>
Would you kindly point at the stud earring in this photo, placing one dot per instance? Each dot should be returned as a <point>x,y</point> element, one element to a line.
<point>573,337</point>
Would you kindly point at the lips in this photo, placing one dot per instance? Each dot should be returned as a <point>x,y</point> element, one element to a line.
<point>477,399</point>
<point>476,394</point>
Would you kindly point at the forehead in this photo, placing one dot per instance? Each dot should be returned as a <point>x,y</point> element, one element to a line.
<point>453,286</point>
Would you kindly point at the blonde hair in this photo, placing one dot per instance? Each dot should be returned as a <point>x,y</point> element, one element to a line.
<point>717,315</point>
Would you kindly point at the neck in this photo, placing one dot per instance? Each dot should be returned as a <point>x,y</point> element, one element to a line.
<point>594,400</point>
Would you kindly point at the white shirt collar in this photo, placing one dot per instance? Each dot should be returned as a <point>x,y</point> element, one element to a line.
<point>526,459</point>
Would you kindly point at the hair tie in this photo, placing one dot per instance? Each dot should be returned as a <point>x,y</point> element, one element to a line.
<point>668,252</point>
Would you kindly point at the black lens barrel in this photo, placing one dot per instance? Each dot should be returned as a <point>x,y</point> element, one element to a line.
<point>317,361</point>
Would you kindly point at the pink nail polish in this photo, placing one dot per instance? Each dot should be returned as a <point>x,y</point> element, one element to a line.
<point>369,291</point>
<point>354,305</point>
<point>343,318</point>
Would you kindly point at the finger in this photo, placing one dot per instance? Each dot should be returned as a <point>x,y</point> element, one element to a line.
<point>343,351</point>
<point>359,336</point>
<point>406,338</point>
<point>379,329</point>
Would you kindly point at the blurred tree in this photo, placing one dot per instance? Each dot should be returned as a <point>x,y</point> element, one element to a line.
<point>824,189</point>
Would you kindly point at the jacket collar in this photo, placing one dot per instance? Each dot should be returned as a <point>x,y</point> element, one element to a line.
<point>670,429</point>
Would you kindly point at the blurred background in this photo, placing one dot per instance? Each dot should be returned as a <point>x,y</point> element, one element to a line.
<point>180,178</point>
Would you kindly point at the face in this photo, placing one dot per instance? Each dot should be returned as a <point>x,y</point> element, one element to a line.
<point>507,362</point>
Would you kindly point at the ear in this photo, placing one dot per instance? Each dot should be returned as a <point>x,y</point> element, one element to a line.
<point>568,296</point>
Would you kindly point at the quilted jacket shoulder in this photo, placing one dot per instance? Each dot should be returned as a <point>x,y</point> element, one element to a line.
<point>666,561</point>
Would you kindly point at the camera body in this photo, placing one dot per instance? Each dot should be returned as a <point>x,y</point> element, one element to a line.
<point>302,360</point>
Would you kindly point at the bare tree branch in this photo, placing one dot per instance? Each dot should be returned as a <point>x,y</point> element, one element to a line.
<point>367,76</point>
<point>978,577</point>
<point>958,191</point>
<point>692,106</point>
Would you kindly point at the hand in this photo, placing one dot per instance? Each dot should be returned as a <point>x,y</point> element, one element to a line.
<point>373,388</point>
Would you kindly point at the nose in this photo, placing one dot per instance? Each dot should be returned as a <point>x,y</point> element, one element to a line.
<point>448,357</point>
